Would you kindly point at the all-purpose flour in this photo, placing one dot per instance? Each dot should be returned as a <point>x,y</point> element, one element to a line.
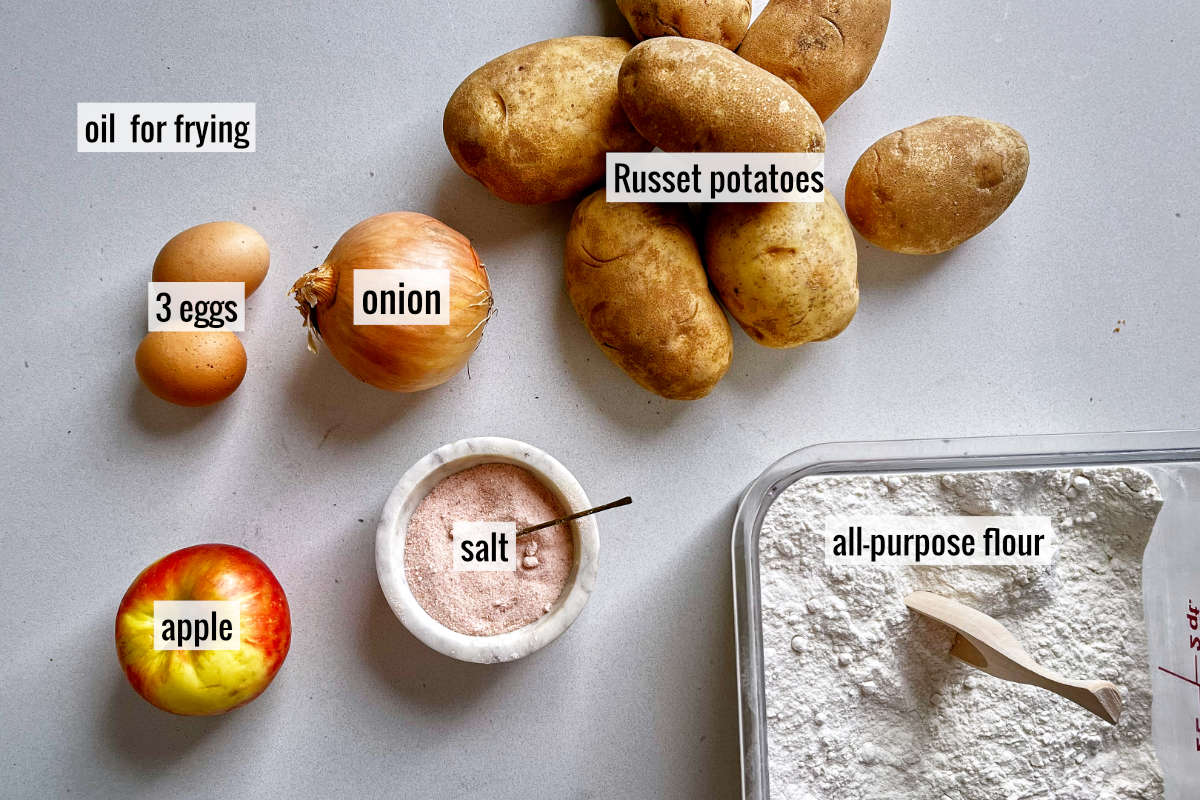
<point>864,701</point>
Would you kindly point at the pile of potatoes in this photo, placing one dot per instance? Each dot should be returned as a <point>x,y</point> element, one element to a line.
<point>534,125</point>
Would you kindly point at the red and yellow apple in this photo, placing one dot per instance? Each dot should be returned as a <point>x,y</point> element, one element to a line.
<point>205,682</point>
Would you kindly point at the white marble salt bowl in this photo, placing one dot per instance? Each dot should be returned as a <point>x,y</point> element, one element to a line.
<point>407,495</point>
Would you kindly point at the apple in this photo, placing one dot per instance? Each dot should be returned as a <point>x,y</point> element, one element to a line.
<point>207,681</point>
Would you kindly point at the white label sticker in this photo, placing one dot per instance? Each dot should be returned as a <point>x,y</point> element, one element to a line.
<point>939,541</point>
<point>715,177</point>
<point>197,306</point>
<point>401,297</point>
<point>164,127</point>
<point>197,625</point>
<point>485,546</point>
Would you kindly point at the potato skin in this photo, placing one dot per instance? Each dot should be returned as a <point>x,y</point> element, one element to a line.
<point>215,251</point>
<point>787,272</point>
<point>823,48</point>
<point>929,187</point>
<point>722,22</point>
<point>533,125</point>
<point>685,95</point>
<point>634,275</point>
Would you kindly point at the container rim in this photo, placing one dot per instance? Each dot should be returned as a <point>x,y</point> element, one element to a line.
<point>907,455</point>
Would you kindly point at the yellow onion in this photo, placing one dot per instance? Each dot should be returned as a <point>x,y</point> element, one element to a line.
<point>401,358</point>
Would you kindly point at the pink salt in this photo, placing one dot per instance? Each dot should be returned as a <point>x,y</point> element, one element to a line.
<point>487,603</point>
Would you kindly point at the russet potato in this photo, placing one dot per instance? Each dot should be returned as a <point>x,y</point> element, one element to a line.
<point>684,95</point>
<point>533,125</point>
<point>787,272</point>
<point>823,48</point>
<point>929,187</point>
<point>634,275</point>
<point>722,22</point>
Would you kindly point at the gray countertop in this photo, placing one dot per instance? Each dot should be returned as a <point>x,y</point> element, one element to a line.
<point>1011,333</point>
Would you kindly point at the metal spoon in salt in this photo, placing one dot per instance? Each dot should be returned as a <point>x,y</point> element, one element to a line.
<point>624,501</point>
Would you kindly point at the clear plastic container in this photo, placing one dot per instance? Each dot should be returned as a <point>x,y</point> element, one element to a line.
<point>1171,567</point>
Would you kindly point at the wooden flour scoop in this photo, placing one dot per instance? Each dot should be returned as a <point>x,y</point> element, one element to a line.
<point>984,643</point>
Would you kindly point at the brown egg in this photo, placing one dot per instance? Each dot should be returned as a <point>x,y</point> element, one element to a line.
<point>215,251</point>
<point>191,369</point>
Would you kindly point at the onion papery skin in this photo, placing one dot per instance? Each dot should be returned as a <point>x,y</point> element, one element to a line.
<point>399,358</point>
